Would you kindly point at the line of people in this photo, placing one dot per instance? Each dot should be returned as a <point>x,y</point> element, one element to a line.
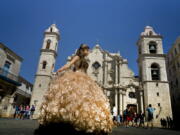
<point>129,118</point>
<point>167,123</point>
<point>24,112</point>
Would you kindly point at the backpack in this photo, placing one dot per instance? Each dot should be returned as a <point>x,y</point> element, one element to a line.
<point>33,109</point>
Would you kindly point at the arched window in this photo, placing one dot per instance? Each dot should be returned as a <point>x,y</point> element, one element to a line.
<point>51,29</point>
<point>7,65</point>
<point>48,44</point>
<point>44,65</point>
<point>150,33</point>
<point>152,47</point>
<point>155,72</point>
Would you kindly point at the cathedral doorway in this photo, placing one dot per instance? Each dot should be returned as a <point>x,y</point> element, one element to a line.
<point>133,108</point>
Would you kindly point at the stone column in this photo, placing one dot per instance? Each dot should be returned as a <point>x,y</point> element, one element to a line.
<point>142,102</point>
<point>105,72</point>
<point>123,102</point>
<point>10,111</point>
<point>116,86</point>
<point>116,73</point>
<point>116,99</point>
<point>120,102</point>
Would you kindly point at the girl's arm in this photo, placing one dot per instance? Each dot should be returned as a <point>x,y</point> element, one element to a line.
<point>68,65</point>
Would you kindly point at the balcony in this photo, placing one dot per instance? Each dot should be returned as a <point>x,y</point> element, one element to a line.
<point>9,77</point>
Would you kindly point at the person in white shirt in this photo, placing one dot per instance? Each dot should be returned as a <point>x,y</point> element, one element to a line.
<point>114,113</point>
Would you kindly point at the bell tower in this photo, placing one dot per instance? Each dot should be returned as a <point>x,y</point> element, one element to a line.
<point>47,60</point>
<point>153,75</point>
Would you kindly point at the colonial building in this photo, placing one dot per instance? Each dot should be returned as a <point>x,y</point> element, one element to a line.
<point>10,82</point>
<point>173,68</point>
<point>111,72</point>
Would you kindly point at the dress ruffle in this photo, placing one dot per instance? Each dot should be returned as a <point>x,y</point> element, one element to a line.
<point>77,99</point>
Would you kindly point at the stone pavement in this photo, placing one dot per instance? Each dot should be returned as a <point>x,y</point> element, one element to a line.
<point>27,127</point>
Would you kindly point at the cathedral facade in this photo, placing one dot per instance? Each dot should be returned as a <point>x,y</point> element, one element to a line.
<point>111,72</point>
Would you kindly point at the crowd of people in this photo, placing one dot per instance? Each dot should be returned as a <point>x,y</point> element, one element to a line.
<point>24,111</point>
<point>167,123</point>
<point>129,118</point>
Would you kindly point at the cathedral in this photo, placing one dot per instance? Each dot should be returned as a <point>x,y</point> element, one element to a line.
<point>111,72</point>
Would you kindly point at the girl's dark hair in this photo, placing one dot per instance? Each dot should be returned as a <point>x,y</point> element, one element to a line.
<point>82,47</point>
<point>83,63</point>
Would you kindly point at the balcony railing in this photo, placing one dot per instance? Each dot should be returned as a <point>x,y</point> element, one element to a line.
<point>8,75</point>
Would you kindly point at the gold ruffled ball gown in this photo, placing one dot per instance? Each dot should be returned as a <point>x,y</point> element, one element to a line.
<point>74,98</point>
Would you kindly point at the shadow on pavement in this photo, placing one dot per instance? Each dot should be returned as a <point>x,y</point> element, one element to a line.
<point>61,129</point>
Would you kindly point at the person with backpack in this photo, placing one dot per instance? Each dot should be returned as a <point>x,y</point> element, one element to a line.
<point>150,117</point>
<point>32,111</point>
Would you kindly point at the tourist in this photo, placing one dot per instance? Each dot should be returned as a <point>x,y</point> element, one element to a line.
<point>126,115</point>
<point>150,111</point>
<point>32,111</point>
<point>16,113</point>
<point>118,119</point>
<point>141,118</point>
<point>115,114</point>
<point>27,112</point>
<point>161,120</point>
<point>121,119</point>
<point>129,116</point>
<point>171,123</point>
<point>135,119</point>
<point>22,111</point>
<point>163,123</point>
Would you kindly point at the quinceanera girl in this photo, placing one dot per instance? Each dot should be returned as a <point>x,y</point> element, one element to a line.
<point>75,101</point>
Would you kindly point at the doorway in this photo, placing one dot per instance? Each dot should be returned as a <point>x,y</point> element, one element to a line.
<point>133,108</point>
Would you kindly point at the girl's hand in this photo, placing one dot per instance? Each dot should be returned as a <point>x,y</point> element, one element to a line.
<point>68,65</point>
<point>59,70</point>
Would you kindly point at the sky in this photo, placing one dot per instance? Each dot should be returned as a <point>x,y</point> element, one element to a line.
<point>114,24</point>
